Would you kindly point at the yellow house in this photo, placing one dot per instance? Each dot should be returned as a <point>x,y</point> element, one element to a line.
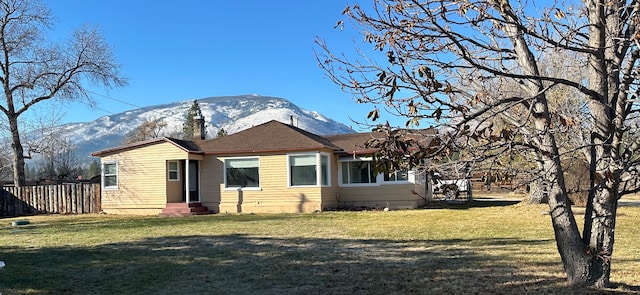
<point>273,167</point>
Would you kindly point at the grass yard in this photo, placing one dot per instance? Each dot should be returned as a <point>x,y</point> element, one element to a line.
<point>506,250</point>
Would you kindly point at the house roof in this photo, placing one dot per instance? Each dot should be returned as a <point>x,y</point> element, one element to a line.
<point>354,143</point>
<point>185,145</point>
<point>272,136</point>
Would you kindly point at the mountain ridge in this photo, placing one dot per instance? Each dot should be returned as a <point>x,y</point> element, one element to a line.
<point>233,113</point>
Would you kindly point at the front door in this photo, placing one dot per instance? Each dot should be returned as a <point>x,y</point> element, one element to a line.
<point>194,195</point>
<point>193,182</point>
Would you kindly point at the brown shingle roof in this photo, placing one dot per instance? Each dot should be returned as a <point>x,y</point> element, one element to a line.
<point>272,136</point>
<point>354,143</point>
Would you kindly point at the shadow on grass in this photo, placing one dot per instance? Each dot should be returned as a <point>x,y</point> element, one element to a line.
<point>75,223</point>
<point>240,264</point>
<point>470,204</point>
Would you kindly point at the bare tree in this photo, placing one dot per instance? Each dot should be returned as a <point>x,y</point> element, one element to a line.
<point>148,129</point>
<point>442,62</point>
<point>5,167</point>
<point>33,70</point>
<point>60,161</point>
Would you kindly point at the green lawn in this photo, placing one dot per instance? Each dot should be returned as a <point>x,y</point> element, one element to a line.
<point>434,251</point>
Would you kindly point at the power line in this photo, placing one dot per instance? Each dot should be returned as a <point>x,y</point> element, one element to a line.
<point>95,107</point>
<point>115,99</point>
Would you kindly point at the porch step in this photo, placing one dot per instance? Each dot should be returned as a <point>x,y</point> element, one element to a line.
<point>184,209</point>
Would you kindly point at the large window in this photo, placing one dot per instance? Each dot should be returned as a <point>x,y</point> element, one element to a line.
<point>302,170</point>
<point>174,171</point>
<point>357,172</point>
<point>242,172</point>
<point>400,175</point>
<point>110,175</point>
<point>305,169</point>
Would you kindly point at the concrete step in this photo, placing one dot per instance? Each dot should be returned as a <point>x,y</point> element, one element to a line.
<point>184,209</point>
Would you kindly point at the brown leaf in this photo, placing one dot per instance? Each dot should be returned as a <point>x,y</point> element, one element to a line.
<point>448,89</point>
<point>373,115</point>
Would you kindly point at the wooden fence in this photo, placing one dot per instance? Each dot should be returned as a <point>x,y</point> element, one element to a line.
<point>73,198</point>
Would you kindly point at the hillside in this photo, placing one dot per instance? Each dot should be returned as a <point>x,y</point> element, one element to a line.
<point>233,113</point>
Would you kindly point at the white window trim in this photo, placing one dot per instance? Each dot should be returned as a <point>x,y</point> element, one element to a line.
<point>357,159</point>
<point>318,156</point>
<point>177,171</point>
<point>117,174</point>
<point>235,188</point>
<point>410,179</point>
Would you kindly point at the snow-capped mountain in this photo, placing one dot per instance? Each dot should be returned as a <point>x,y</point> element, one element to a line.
<point>233,113</point>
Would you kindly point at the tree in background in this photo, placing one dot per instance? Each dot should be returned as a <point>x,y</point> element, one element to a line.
<point>5,166</point>
<point>221,133</point>
<point>93,170</point>
<point>188,127</point>
<point>60,162</point>
<point>148,129</point>
<point>33,70</point>
<point>443,63</point>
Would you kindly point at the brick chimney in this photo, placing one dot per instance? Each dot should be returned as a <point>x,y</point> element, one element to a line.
<point>198,127</point>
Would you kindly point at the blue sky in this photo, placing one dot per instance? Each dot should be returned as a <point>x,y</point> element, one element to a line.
<point>189,49</point>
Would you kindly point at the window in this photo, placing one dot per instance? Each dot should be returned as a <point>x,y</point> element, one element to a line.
<point>110,175</point>
<point>305,169</point>
<point>173,170</point>
<point>400,175</point>
<point>242,172</point>
<point>357,172</point>
<point>302,170</point>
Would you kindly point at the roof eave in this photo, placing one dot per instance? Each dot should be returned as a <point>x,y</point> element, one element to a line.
<point>238,152</point>
<point>141,144</point>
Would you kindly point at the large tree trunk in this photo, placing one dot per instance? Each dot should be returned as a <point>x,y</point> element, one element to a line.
<point>606,135</point>
<point>18,153</point>
<point>571,247</point>
<point>573,252</point>
<point>568,240</point>
<point>599,230</point>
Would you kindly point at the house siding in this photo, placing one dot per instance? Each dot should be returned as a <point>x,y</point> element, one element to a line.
<point>142,179</point>
<point>273,196</point>
<point>211,176</point>
<point>394,196</point>
<point>330,194</point>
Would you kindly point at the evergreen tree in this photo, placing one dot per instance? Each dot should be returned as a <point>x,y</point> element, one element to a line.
<point>221,133</point>
<point>188,127</point>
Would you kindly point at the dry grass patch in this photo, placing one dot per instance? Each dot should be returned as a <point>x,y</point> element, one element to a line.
<point>468,250</point>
